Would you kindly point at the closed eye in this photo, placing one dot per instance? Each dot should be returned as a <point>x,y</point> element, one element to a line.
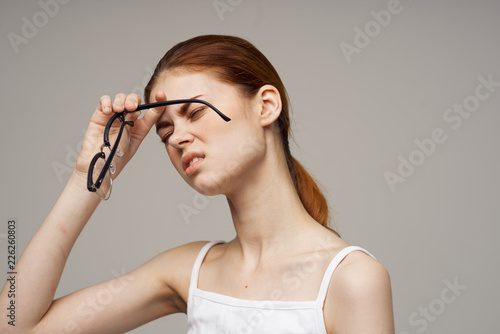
<point>197,111</point>
<point>164,139</point>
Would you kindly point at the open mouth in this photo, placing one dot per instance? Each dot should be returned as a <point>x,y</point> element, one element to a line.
<point>193,165</point>
<point>191,161</point>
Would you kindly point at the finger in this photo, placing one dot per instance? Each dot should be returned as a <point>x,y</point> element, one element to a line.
<point>132,101</point>
<point>153,114</point>
<point>133,116</point>
<point>160,96</point>
<point>103,110</point>
<point>105,104</point>
<point>119,102</point>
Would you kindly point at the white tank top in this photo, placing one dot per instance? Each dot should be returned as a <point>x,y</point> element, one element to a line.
<point>213,313</point>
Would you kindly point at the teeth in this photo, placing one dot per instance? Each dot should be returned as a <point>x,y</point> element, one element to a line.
<point>194,160</point>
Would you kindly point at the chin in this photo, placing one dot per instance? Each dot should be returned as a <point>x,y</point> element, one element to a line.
<point>207,186</point>
<point>231,175</point>
<point>212,184</point>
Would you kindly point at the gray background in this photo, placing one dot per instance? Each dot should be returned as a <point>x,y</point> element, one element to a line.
<point>352,120</point>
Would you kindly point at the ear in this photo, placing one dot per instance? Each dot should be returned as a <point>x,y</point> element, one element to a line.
<point>269,102</point>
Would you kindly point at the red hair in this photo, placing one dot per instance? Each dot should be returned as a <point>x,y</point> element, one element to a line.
<point>236,61</point>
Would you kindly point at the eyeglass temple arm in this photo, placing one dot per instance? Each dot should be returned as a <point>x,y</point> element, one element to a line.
<point>167,103</point>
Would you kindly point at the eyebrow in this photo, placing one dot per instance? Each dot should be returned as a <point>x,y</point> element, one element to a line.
<point>182,111</point>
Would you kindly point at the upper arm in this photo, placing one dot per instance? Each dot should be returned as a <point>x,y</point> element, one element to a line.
<point>359,299</point>
<point>126,302</point>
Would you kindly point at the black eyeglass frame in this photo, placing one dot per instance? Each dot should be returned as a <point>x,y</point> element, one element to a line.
<point>91,186</point>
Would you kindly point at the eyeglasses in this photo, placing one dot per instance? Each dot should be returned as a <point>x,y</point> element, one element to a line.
<point>117,142</point>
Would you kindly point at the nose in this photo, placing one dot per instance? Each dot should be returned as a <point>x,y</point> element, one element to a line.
<point>180,137</point>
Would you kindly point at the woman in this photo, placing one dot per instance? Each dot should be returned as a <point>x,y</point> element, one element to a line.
<point>286,271</point>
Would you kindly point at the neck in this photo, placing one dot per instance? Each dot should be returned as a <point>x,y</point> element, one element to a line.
<point>267,213</point>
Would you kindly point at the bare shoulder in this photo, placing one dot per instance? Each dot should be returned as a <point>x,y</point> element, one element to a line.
<point>358,270</point>
<point>172,270</point>
<point>359,297</point>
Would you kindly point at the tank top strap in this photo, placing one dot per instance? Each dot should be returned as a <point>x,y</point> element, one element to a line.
<point>197,264</point>
<point>331,268</point>
<point>193,284</point>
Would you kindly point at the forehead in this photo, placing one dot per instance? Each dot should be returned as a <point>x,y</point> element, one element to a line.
<point>180,84</point>
<point>183,85</point>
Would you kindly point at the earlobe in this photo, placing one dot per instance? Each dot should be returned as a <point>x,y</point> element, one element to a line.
<point>270,104</point>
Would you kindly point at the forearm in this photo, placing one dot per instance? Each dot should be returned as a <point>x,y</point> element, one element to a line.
<point>40,267</point>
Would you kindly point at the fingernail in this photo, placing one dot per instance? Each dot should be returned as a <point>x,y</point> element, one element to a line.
<point>107,109</point>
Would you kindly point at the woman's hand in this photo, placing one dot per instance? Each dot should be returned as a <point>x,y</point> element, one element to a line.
<point>94,136</point>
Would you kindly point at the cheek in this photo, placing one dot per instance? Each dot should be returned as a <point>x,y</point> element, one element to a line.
<point>238,150</point>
